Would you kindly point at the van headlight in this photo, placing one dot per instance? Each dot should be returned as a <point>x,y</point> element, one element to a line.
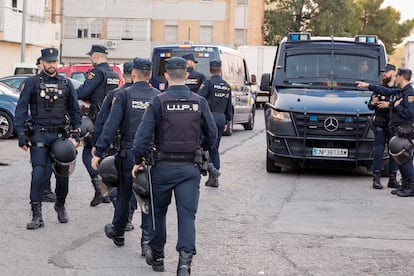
<point>283,117</point>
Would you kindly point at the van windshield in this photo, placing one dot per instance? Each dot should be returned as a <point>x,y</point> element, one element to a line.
<point>203,55</point>
<point>343,69</point>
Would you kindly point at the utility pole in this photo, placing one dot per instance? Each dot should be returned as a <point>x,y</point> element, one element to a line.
<point>23,44</point>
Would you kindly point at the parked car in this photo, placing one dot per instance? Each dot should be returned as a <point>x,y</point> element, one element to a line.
<point>8,102</point>
<point>78,71</point>
<point>16,81</point>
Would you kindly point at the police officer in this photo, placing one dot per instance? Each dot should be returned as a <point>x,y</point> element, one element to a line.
<point>177,119</point>
<point>218,94</point>
<point>195,79</point>
<point>100,121</point>
<point>402,117</point>
<point>99,80</point>
<point>127,109</point>
<point>48,195</point>
<point>53,108</point>
<point>381,105</point>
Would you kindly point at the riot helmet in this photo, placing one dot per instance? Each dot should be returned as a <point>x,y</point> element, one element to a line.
<point>141,183</point>
<point>401,149</point>
<point>86,130</point>
<point>63,157</point>
<point>108,172</point>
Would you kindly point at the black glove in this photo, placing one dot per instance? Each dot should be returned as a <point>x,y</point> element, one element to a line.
<point>23,140</point>
<point>75,136</point>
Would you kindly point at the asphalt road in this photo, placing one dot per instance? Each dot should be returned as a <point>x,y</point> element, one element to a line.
<point>307,222</point>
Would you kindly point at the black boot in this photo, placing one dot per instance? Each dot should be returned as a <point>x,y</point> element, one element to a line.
<point>115,234</point>
<point>376,184</point>
<point>48,195</point>
<point>393,182</point>
<point>212,171</point>
<point>97,199</point>
<point>129,225</point>
<point>155,258</point>
<point>37,220</point>
<point>212,181</point>
<point>61,210</point>
<point>144,243</point>
<point>184,263</point>
<point>400,188</point>
<point>407,191</point>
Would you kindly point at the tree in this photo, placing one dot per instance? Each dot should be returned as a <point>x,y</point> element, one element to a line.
<point>335,17</point>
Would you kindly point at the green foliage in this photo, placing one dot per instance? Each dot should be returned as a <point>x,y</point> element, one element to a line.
<point>337,18</point>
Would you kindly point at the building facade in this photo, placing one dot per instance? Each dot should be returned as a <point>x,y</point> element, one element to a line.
<point>43,29</point>
<point>132,28</point>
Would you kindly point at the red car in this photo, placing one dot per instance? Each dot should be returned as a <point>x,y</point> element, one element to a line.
<point>77,71</point>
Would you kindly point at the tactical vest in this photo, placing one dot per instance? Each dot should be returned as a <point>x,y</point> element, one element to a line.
<point>111,81</point>
<point>134,107</point>
<point>218,96</point>
<point>50,99</point>
<point>180,124</point>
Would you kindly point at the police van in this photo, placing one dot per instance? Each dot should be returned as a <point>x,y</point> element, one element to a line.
<point>234,71</point>
<point>316,115</point>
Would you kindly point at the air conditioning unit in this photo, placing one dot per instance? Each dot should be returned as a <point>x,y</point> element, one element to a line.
<point>111,44</point>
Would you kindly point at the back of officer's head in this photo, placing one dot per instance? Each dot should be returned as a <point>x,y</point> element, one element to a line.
<point>215,67</point>
<point>142,68</point>
<point>176,68</point>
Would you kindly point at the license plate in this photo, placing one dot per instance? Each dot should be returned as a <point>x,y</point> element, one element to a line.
<point>330,152</point>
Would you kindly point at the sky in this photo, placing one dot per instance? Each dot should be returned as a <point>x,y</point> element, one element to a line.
<point>405,7</point>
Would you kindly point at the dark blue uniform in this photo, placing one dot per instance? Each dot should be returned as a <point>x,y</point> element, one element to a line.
<point>178,118</point>
<point>194,80</point>
<point>382,136</point>
<point>99,81</point>
<point>53,105</point>
<point>127,109</point>
<point>218,94</point>
<point>402,115</point>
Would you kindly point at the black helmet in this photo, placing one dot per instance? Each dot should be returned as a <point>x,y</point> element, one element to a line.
<point>400,149</point>
<point>86,127</point>
<point>141,183</point>
<point>63,157</point>
<point>108,171</point>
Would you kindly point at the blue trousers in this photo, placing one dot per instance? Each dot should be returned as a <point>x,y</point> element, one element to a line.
<point>86,158</point>
<point>125,198</point>
<point>220,120</point>
<point>184,180</point>
<point>382,136</point>
<point>40,159</point>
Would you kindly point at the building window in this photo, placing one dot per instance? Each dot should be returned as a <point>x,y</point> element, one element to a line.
<point>206,33</point>
<point>82,28</point>
<point>170,33</point>
<point>14,4</point>
<point>241,2</point>
<point>128,29</point>
<point>240,38</point>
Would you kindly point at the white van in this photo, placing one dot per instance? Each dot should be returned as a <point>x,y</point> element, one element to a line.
<point>24,68</point>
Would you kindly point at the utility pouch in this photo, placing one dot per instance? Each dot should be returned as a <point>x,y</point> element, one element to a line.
<point>29,128</point>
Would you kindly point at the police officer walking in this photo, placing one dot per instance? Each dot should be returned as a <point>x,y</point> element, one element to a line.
<point>99,80</point>
<point>100,121</point>
<point>382,106</point>
<point>47,108</point>
<point>177,119</point>
<point>218,94</point>
<point>195,79</point>
<point>127,109</point>
<point>402,119</point>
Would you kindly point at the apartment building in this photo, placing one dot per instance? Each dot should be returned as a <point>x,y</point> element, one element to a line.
<point>132,27</point>
<point>43,29</point>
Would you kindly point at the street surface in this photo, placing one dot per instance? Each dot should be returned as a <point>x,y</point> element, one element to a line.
<point>305,222</point>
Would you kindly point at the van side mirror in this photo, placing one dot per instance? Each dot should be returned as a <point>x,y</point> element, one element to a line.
<point>253,79</point>
<point>265,82</point>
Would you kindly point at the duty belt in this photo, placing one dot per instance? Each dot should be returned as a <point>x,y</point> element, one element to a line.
<point>50,128</point>
<point>174,156</point>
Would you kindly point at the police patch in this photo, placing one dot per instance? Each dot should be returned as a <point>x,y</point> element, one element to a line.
<point>201,86</point>
<point>195,107</point>
<point>410,99</point>
<point>91,75</point>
